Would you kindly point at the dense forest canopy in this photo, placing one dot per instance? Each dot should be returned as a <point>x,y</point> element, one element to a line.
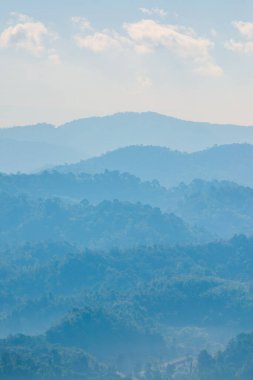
<point>104,275</point>
<point>220,209</point>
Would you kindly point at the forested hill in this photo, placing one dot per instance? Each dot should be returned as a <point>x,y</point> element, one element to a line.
<point>135,265</point>
<point>107,225</point>
<point>126,308</point>
<point>35,359</point>
<point>150,285</point>
<point>170,168</point>
<point>95,188</point>
<point>223,208</point>
<point>220,207</point>
<point>235,362</point>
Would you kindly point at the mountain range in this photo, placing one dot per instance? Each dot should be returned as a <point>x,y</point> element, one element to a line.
<point>170,168</point>
<point>85,138</point>
<point>126,250</point>
<point>222,208</point>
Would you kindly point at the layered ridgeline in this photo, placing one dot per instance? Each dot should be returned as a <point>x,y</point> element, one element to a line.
<point>136,264</point>
<point>33,359</point>
<point>29,358</point>
<point>146,284</point>
<point>110,312</point>
<point>42,281</point>
<point>86,138</point>
<point>214,209</point>
<point>170,168</point>
<point>37,359</point>
<point>107,225</point>
<point>127,309</point>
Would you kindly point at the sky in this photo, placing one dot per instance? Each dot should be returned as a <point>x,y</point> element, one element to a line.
<point>62,60</point>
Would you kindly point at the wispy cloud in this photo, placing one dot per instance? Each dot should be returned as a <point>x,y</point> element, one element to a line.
<point>244,28</point>
<point>151,35</point>
<point>29,35</point>
<point>82,22</point>
<point>97,41</point>
<point>100,42</point>
<point>153,12</point>
<point>239,46</point>
<point>246,31</point>
<point>148,36</point>
<point>19,17</point>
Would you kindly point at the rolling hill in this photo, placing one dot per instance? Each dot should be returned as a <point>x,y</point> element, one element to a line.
<point>107,225</point>
<point>170,168</point>
<point>88,137</point>
<point>223,208</point>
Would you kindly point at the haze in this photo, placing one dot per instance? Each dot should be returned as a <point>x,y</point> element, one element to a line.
<point>65,60</point>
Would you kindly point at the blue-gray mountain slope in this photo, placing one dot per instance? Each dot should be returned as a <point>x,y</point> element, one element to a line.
<point>93,136</point>
<point>170,168</point>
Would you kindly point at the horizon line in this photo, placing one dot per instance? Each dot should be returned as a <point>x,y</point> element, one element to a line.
<point>56,126</point>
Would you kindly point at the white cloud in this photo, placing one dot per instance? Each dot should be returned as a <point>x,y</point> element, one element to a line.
<point>244,47</point>
<point>244,28</point>
<point>170,36</point>
<point>240,47</point>
<point>148,36</point>
<point>97,41</point>
<point>182,41</point>
<point>101,41</point>
<point>27,34</point>
<point>20,17</point>
<point>154,11</point>
<point>82,23</point>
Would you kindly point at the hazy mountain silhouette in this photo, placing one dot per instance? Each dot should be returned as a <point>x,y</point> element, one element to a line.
<point>27,156</point>
<point>227,162</point>
<point>97,135</point>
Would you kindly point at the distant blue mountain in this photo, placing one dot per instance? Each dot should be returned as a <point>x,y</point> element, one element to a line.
<point>88,137</point>
<point>27,156</point>
<point>170,168</point>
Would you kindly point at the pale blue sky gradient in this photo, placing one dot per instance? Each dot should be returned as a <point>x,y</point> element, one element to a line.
<point>62,79</point>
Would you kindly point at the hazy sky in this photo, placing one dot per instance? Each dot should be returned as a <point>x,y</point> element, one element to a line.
<point>63,60</point>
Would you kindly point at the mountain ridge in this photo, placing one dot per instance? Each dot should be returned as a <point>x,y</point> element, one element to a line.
<point>130,113</point>
<point>171,167</point>
<point>122,130</point>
